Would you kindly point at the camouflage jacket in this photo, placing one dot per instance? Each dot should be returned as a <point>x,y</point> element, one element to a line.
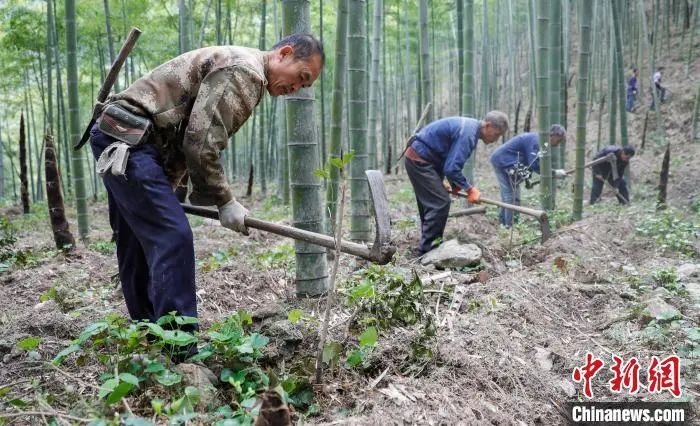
<point>196,102</point>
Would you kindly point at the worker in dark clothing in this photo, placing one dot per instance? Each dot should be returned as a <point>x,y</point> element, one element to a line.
<point>438,151</point>
<point>631,91</point>
<point>521,155</point>
<point>612,172</point>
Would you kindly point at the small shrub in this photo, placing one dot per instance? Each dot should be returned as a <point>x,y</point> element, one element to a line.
<point>669,231</point>
<point>279,256</point>
<point>104,247</point>
<point>217,260</point>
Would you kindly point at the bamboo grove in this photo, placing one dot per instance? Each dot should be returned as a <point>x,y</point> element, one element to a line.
<point>386,60</point>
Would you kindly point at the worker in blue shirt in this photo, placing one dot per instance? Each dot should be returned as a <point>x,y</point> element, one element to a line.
<point>631,91</point>
<point>438,151</point>
<point>514,160</point>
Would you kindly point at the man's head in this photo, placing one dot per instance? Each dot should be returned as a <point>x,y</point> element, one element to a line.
<point>627,152</point>
<point>557,134</point>
<point>493,126</point>
<point>634,71</point>
<point>294,62</point>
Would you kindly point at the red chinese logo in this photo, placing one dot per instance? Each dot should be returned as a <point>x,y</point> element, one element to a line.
<point>626,376</point>
<point>587,372</point>
<point>662,375</point>
<point>665,375</point>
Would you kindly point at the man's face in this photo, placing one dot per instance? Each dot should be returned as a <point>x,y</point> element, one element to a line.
<point>555,140</point>
<point>625,157</point>
<point>490,133</point>
<point>286,74</point>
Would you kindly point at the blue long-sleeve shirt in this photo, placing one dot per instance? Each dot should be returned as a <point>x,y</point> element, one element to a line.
<point>447,144</point>
<point>632,85</point>
<point>521,149</point>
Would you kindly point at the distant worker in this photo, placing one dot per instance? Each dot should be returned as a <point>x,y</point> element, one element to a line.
<point>514,161</point>
<point>615,176</point>
<point>631,91</point>
<point>438,151</point>
<point>660,90</point>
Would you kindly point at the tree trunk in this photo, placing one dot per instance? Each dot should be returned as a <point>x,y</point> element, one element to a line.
<point>184,27</point>
<point>469,101</point>
<point>374,86</point>
<point>110,40</point>
<point>426,83</point>
<point>76,159</point>
<point>555,80</point>
<point>57,213</point>
<point>23,181</point>
<point>360,225</point>
<point>312,269</point>
<point>663,178</point>
<point>620,72</point>
<point>460,53</point>
<point>542,40</point>
<point>584,69</point>
<point>691,38</point>
<point>696,113</point>
<point>262,160</point>
<point>337,109</point>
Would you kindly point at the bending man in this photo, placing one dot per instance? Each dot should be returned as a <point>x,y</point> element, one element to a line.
<point>613,173</point>
<point>515,160</point>
<point>192,104</point>
<point>438,151</point>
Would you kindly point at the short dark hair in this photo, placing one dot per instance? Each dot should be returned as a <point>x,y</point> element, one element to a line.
<point>305,46</point>
<point>628,150</point>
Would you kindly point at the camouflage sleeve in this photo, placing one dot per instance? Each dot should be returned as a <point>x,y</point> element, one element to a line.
<point>225,100</point>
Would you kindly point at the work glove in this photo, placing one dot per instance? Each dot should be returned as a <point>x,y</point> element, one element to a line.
<point>232,216</point>
<point>560,173</point>
<point>473,195</point>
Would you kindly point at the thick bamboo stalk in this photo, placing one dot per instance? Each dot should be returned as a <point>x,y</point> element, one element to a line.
<point>337,102</point>
<point>542,37</point>
<point>374,86</point>
<point>584,70</point>
<point>360,228</point>
<point>307,212</point>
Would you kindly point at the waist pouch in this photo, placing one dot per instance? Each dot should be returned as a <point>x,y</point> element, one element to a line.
<point>128,129</point>
<point>124,126</point>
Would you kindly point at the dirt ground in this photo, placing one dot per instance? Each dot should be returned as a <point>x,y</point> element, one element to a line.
<point>506,343</point>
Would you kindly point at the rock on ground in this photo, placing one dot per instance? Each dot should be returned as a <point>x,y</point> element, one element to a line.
<point>452,254</point>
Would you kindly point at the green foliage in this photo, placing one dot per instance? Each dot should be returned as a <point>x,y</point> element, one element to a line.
<point>558,218</point>
<point>279,256</point>
<point>385,299</point>
<point>217,260</point>
<point>132,355</point>
<point>358,356</point>
<point>334,162</point>
<point>8,239</point>
<point>666,277</point>
<point>103,246</point>
<point>670,231</point>
<point>29,343</point>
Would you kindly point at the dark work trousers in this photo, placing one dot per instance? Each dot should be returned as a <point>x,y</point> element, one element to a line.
<point>433,202</point>
<point>621,186</point>
<point>154,239</point>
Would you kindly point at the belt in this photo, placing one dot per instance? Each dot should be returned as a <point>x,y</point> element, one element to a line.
<point>412,155</point>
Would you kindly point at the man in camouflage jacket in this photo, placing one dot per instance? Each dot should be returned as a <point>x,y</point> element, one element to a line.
<point>195,102</point>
